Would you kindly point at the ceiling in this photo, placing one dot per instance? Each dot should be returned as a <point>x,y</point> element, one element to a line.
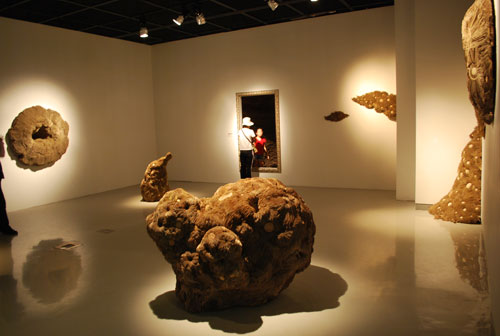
<point>122,18</point>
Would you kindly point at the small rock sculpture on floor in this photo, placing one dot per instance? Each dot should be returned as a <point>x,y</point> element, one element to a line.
<point>38,136</point>
<point>155,182</point>
<point>241,247</point>
<point>380,101</point>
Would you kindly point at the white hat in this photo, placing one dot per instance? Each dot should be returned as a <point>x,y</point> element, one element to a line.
<point>247,122</point>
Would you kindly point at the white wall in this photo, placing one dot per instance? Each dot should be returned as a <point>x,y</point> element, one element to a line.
<point>406,100</point>
<point>318,65</point>
<point>101,86</point>
<point>491,193</point>
<point>444,114</point>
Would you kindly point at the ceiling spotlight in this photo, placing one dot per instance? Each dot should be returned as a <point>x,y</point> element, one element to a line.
<point>200,19</point>
<point>143,32</point>
<point>179,20</point>
<point>314,0</point>
<point>272,4</point>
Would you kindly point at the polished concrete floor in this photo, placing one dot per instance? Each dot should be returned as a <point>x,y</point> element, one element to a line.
<point>87,267</point>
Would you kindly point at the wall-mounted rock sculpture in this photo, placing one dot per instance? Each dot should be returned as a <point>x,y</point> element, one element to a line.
<point>463,203</point>
<point>478,41</point>
<point>38,136</point>
<point>380,101</point>
<point>241,247</point>
<point>155,182</point>
<point>336,116</point>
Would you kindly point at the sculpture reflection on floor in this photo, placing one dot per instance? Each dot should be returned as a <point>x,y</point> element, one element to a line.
<point>463,203</point>
<point>241,247</point>
<point>50,273</point>
<point>470,261</point>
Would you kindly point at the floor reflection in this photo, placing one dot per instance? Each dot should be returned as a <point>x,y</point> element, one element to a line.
<point>10,308</point>
<point>470,256</point>
<point>470,261</point>
<point>50,273</point>
<point>408,273</point>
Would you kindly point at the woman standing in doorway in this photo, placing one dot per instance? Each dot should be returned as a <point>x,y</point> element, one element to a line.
<point>261,153</point>
<point>245,139</point>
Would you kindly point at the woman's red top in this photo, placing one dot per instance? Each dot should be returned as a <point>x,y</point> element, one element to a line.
<point>259,144</point>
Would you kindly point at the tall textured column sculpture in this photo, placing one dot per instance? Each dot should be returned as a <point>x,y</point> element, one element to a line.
<point>463,202</point>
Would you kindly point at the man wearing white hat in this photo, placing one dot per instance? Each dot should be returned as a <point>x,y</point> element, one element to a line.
<point>245,139</point>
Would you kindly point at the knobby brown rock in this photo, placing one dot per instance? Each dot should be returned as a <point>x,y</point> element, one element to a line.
<point>380,101</point>
<point>241,247</point>
<point>155,182</point>
<point>38,136</point>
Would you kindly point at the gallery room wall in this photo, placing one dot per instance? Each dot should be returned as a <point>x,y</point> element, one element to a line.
<point>444,114</point>
<point>404,16</point>
<point>102,87</point>
<point>491,193</point>
<point>318,65</point>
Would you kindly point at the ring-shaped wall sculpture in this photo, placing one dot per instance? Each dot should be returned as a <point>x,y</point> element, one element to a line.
<point>38,137</point>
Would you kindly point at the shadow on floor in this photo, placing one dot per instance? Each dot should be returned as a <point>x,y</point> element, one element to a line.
<point>315,289</point>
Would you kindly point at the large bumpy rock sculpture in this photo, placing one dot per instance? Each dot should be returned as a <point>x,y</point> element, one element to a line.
<point>380,101</point>
<point>463,203</point>
<point>242,246</point>
<point>38,136</point>
<point>478,42</point>
<point>155,182</point>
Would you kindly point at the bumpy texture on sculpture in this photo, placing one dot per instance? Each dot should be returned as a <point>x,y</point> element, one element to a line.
<point>380,101</point>
<point>38,136</point>
<point>155,182</point>
<point>336,116</point>
<point>463,203</point>
<point>478,42</point>
<point>241,247</point>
